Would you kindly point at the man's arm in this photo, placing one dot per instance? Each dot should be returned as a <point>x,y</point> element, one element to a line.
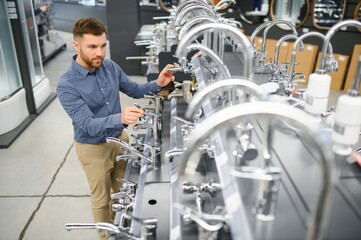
<point>136,90</point>
<point>82,116</point>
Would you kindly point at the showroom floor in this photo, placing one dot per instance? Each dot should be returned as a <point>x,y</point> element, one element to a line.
<point>42,184</point>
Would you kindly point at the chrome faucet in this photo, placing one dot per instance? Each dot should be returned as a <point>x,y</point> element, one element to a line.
<point>220,87</point>
<point>226,29</point>
<point>294,51</point>
<point>279,43</point>
<point>152,119</point>
<point>198,189</point>
<point>272,24</point>
<point>224,72</point>
<point>202,218</point>
<point>314,132</point>
<point>330,34</point>
<point>170,154</point>
<point>186,128</point>
<point>129,148</point>
<point>261,54</point>
<point>180,16</point>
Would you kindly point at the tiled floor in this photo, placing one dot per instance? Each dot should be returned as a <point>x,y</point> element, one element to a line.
<point>42,185</point>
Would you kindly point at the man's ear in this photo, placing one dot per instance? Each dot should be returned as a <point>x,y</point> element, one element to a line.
<point>76,45</point>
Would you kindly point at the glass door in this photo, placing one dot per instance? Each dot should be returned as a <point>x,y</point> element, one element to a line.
<point>33,50</point>
<point>10,80</point>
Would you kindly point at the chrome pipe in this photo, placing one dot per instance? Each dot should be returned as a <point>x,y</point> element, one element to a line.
<point>272,24</point>
<point>329,35</point>
<point>224,85</point>
<point>294,50</point>
<point>228,30</point>
<point>207,51</point>
<point>279,43</point>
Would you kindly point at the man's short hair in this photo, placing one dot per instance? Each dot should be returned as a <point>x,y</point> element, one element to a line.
<point>88,25</point>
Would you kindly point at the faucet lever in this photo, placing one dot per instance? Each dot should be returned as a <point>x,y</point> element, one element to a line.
<point>202,218</point>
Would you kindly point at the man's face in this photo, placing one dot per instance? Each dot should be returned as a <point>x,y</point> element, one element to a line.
<point>91,50</point>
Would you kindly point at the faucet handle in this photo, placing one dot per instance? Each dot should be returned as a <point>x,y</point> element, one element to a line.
<point>125,157</point>
<point>202,218</point>
<point>329,112</point>
<point>129,148</point>
<point>184,121</point>
<point>127,182</point>
<point>157,148</point>
<point>99,225</point>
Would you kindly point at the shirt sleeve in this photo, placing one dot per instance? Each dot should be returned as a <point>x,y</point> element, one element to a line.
<point>82,116</point>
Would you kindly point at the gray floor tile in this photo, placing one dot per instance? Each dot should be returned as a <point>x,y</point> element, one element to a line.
<point>49,222</point>
<point>15,213</point>
<point>28,166</point>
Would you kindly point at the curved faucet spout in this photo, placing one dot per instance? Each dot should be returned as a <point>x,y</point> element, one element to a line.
<point>279,43</point>
<point>207,51</point>
<point>169,155</point>
<point>178,20</point>
<point>257,30</point>
<point>224,85</point>
<point>223,4</point>
<point>329,35</point>
<point>194,22</point>
<point>272,24</point>
<point>294,50</point>
<point>226,29</point>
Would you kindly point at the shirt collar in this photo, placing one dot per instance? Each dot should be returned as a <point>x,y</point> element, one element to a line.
<point>82,70</point>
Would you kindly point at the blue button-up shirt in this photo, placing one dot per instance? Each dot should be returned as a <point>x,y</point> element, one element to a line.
<point>92,101</point>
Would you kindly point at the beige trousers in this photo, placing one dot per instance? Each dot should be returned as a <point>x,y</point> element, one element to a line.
<point>101,170</point>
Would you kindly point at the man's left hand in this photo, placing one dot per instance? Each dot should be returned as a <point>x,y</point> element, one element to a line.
<point>165,76</point>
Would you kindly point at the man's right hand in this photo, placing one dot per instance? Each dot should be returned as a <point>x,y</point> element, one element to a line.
<point>130,115</point>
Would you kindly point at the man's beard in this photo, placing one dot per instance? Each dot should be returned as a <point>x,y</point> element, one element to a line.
<point>93,63</point>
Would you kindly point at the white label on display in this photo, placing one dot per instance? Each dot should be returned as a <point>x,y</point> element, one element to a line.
<point>12,10</point>
<point>13,16</point>
<point>305,30</point>
<point>309,48</point>
<point>341,58</point>
<point>10,4</point>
